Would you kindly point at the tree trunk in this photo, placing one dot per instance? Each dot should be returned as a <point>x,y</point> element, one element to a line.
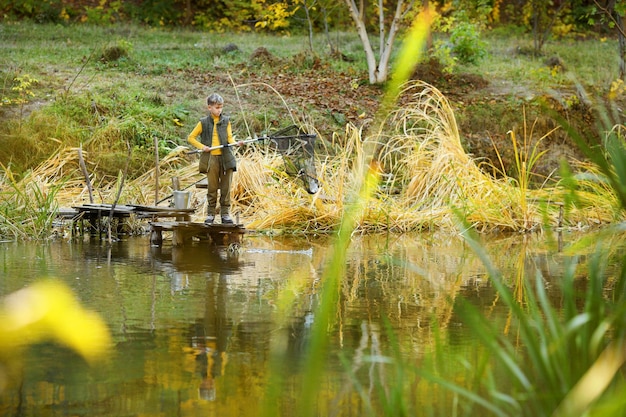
<point>429,41</point>
<point>378,71</point>
<point>310,24</point>
<point>188,13</point>
<point>327,32</point>
<point>365,41</point>
<point>381,26</point>
<point>622,45</point>
<point>387,46</point>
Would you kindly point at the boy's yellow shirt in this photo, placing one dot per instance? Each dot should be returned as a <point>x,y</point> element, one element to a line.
<point>197,131</point>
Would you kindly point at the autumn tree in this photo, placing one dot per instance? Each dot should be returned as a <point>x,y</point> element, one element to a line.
<point>388,28</point>
<point>542,16</point>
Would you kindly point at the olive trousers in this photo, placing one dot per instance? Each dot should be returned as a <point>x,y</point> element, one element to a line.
<point>218,179</point>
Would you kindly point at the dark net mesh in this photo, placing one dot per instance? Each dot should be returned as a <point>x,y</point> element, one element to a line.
<point>298,151</point>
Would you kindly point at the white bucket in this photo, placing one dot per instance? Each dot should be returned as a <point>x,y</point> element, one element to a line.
<point>181,199</point>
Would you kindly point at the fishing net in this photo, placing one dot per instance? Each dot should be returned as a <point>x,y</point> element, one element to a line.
<point>298,151</point>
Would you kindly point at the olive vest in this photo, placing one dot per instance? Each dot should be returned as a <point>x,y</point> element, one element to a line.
<point>206,138</point>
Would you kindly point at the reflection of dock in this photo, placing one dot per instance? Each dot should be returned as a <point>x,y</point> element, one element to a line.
<point>184,232</point>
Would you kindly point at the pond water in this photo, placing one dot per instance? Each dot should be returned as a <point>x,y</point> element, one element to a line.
<point>197,330</point>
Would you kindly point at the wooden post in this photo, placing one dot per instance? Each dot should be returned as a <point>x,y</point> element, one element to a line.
<point>119,190</point>
<point>156,170</point>
<point>83,168</point>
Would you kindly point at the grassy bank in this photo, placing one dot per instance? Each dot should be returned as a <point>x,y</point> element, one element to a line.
<point>110,90</point>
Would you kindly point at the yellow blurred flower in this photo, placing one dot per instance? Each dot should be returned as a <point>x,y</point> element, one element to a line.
<point>49,311</point>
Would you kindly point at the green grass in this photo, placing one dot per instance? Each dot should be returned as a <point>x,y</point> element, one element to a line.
<point>154,50</point>
<point>510,63</point>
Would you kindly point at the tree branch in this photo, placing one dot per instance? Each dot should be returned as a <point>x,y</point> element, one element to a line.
<point>608,11</point>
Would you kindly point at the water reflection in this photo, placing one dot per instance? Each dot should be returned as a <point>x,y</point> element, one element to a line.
<point>179,263</point>
<point>195,328</point>
<point>210,336</point>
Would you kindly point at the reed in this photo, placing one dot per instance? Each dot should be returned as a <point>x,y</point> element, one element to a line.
<point>424,157</point>
<point>27,210</point>
<point>529,359</point>
<point>526,157</point>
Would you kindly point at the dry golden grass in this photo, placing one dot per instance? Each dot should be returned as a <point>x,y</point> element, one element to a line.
<point>421,148</point>
<point>427,176</point>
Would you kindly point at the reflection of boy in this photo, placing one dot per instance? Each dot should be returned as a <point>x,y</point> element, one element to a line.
<point>211,364</point>
<point>215,130</point>
<point>211,338</point>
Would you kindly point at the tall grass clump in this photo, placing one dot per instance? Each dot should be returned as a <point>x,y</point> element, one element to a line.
<point>426,171</point>
<point>428,167</point>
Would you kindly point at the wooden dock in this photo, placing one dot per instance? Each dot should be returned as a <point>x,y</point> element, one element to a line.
<point>96,218</point>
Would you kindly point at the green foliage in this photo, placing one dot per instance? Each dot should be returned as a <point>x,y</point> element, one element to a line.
<point>157,13</point>
<point>22,92</point>
<point>528,368</point>
<point>239,15</point>
<point>464,45</point>
<point>476,11</point>
<point>40,11</point>
<point>103,122</point>
<point>467,44</point>
<point>105,13</point>
<point>442,52</point>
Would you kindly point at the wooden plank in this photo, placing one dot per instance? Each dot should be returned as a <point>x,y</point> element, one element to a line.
<point>163,225</point>
<point>120,207</point>
<point>104,210</point>
<point>161,209</point>
<point>66,212</point>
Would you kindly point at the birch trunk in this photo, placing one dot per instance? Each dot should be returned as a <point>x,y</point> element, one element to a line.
<point>378,68</point>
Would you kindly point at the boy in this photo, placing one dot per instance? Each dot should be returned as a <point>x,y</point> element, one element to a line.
<point>215,130</point>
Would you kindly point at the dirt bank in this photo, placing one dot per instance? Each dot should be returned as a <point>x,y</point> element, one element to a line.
<point>485,109</point>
